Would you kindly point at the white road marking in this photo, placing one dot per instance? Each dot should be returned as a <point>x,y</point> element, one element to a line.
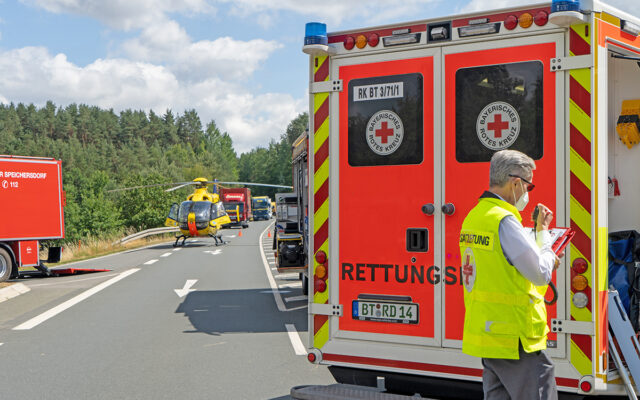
<point>187,288</point>
<point>274,268</point>
<point>33,322</point>
<point>298,347</point>
<point>296,298</point>
<point>165,255</point>
<point>288,275</point>
<point>291,285</point>
<point>150,262</point>
<point>72,280</point>
<point>272,282</point>
<point>214,252</point>
<point>177,249</point>
<point>276,291</point>
<point>1,344</point>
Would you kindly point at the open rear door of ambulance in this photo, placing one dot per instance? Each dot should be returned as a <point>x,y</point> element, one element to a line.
<point>499,94</point>
<point>386,245</point>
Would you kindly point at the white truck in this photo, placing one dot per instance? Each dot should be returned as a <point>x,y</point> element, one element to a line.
<point>404,120</point>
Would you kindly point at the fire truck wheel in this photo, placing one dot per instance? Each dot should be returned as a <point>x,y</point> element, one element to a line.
<point>305,285</point>
<point>5,265</point>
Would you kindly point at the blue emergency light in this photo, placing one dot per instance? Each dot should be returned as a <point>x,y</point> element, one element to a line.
<point>315,33</point>
<point>565,5</point>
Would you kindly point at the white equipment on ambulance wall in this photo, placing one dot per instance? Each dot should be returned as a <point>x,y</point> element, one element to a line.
<point>404,120</point>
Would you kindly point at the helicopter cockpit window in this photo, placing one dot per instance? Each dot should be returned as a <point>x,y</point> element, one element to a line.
<point>202,210</point>
<point>183,212</point>
<point>217,210</point>
<point>499,107</point>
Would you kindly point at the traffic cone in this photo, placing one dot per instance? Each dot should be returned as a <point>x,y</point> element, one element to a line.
<point>269,234</point>
<point>240,233</point>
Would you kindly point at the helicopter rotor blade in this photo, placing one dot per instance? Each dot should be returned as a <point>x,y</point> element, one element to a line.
<point>142,187</point>
<point>256,184</point>
<point>183,184</point>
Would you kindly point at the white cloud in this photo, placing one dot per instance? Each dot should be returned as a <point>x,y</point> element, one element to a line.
<point>330,11</point>
<point>123,14</point>
<point>169,44</point>
<point>32,74</point>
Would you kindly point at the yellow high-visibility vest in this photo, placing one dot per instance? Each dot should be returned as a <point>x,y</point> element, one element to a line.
<point>501,305</point>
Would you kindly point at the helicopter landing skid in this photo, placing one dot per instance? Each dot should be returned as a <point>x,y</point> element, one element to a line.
<point>218,238</point>
<point>183,237</point>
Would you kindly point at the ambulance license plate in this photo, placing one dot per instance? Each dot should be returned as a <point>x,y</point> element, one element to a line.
<point>382,311</point>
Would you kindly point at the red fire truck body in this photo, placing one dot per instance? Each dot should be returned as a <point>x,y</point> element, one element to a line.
<point>32,205</point>
<point>418,109</point>
<point>237,203</point>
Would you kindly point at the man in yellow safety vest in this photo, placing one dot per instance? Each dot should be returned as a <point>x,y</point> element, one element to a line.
<point>506,319</point>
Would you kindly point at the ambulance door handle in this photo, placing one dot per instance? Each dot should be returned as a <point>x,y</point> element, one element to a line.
<point>448,209</point>
<point>428,209</point>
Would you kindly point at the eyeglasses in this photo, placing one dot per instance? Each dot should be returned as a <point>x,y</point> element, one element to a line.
<point>530,186</point>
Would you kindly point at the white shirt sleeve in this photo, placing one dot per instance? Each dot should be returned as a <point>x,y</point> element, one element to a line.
<point>534,263</point>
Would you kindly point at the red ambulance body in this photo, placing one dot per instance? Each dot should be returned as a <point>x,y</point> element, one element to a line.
<point>31,202</point>
<point>237,203</point>
<point>405,119</point>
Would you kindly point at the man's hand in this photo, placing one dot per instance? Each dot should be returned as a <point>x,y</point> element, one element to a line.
<point>545,216</point>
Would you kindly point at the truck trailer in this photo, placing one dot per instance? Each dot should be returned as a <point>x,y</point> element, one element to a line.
<point>33,201</point>
<point>404,121</point>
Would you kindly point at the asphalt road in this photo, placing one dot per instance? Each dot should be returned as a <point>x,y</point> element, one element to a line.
<point>127,333</point>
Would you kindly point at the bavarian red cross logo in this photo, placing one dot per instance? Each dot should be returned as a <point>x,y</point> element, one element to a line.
<point>498,125</point>
<point>384,132</point>
<point>468,269</point>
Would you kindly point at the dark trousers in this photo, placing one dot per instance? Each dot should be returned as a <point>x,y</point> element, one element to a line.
<point>531,377</point>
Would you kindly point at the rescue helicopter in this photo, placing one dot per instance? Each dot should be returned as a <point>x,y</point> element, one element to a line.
<point>202,213</point>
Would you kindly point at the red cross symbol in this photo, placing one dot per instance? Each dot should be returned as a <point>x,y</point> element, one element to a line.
<point>467,270</point>
<point>498,125</point>
<point>384,132</point>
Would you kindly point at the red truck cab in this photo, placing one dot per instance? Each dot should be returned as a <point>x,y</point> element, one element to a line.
<point>237,203</point>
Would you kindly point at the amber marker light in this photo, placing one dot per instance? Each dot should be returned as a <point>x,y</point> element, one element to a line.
<point>361,41</point>
<point>525,20</point>
<point>321,271</point>
<point>579,283</point>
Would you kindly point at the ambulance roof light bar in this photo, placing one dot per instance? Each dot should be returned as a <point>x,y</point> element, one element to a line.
<point>566,13</point>
<point>316,40</point>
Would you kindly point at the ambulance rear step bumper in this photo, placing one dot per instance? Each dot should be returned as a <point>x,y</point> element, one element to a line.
<point>341,391</point>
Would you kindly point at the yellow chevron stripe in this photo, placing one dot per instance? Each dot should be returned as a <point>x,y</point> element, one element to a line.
<point>580,361</point>
<point>321,216</point>
<point>583,77</point>
<point>580,30</point>
<point>580,120</point>
<point>321,175</point>
<point>318,99</point>
<point>322,336</point>
<point>580,168</point>
<point>580,216</point>
<point>603,265</point>
<point>321,135</point>
<point>320,60</point>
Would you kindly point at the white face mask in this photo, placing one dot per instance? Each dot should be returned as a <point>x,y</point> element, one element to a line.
<point>522,202</point>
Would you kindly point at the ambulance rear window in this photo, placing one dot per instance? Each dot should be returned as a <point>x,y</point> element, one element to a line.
<point>499,107</point>
<point>386,120</point>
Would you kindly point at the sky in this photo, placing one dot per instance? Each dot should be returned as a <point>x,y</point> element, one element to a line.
<point>237,62</point>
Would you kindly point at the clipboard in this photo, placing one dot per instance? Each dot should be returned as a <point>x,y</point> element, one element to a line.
<point>561,238</point>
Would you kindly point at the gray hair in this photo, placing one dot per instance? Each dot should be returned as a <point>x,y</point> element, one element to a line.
<point>505,162</point>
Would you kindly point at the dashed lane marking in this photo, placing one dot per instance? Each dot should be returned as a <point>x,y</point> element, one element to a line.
<point>177,249</point>
<point>165,255</point>
<point>150,262</point>
<point>288,275</point>
<point>298,347</point>
<point>291,285</point>
<point>296,298</point>
<point>33,322</point>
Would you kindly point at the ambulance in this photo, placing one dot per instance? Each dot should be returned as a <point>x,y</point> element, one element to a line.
<point>404,121</point>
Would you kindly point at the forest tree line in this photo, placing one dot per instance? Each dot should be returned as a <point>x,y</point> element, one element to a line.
<point>103,150</point>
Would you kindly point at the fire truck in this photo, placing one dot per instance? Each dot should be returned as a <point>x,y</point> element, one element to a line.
<point>405,119</point>
<point>33,203</point>
<point>291,234</point>
<point>237,203</point>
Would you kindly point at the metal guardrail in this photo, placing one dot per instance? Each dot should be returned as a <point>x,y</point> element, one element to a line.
<point>147,232</point>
